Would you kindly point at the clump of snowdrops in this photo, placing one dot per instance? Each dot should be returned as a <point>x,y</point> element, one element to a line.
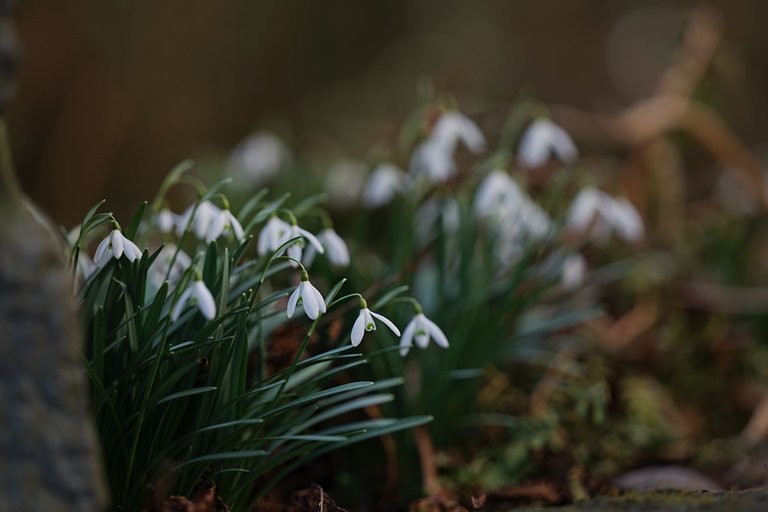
<point>493,242</point>
<point>186,316</point>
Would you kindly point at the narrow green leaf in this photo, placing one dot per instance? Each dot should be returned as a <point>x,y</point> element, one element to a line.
<point>186,393</point>
<point>135,222</point>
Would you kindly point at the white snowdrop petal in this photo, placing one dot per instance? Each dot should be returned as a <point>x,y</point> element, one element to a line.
<point>407,339</point>
<point>387,322</point>
<point>435,332</point>
<point>117,244</point>
<point>311,238</point>
<point>237,229</point>
<point>311,307</point>
<point>215,228</point>
<point>358,329</point>
<point>205,300</point>
<point>292,301</point>
<point>318,297</point>
<point>336,248</point>
<point>102,248</point>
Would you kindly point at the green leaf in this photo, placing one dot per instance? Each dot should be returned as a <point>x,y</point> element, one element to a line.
<point>135,222</point>
<point>391,294</point>
<point>186,393</point>
<point>212,457</point>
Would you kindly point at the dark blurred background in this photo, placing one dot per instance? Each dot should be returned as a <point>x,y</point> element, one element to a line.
<point>113,93</point>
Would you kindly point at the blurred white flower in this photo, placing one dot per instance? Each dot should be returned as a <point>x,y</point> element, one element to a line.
<point>385,181</point>
<point>365,323</point>
<point>205,213</point>
<point>542,139</point>
<point>165,267</point>
<point>421,329</point>
<point>497,190</point>
<point>165,220</point>
<point>296,248</point>
<point>115,245</point>
<point>433,158</point>
<point>258,158</point>
<point>271,235</point>
<point>198,294</point>
<point>335,249</point>
<point>510,215</point>
<point>595,214</point>
<point>223,222</point>
<point>308,296</point>
<point>453,126</point>
<point>626,220</point>
<point>573,272</point>
<point>344,182</point>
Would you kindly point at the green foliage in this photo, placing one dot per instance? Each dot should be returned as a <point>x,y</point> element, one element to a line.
<point>174,389</point>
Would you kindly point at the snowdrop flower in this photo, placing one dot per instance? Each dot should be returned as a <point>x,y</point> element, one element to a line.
<point>365,323</point>
<point>308,296</point>
<point>344,182</point>
<point>573,272</point>
<point>165,220</point>
<point>271,235</point>
<point>222,222</point>
<point>115,245</point>
<point>421,329</point>
<point>297,246</point>
<point>542,138</point>
<point>205,214</point>
<point>198,294</point>
<point>497,189</point>
<point>335,249</point>
<point>433,158</point>
<point>596,214</point>
<point>453,126</point>
<point>626,220</point>
<point>258,158</point>
<point>384,182</point>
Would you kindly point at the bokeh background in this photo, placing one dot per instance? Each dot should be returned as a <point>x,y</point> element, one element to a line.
<point>113,94</point>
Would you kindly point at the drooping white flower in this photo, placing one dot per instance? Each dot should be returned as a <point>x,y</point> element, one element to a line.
<point>271,235</point>
<point>165,267</point>
<point>433,158</point>
<point>573,272</point>
<point>335,249</point>
<point>115,245</point>
<point>165,220</point>
<point>542,139</point>
<point>421,329</point>
<point>497,190</point>
<point>198,294</point>
<point>626,220</point>
<point>383,184</point>
<point>344,182</point>
<point>308,296</point>
<point>596,214</point>
<point>223,222</point>
<point>258,158</point>
<point>204,215</point>
<point>365,323</point>
<point>453,126</point>
<point>296,247</point>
